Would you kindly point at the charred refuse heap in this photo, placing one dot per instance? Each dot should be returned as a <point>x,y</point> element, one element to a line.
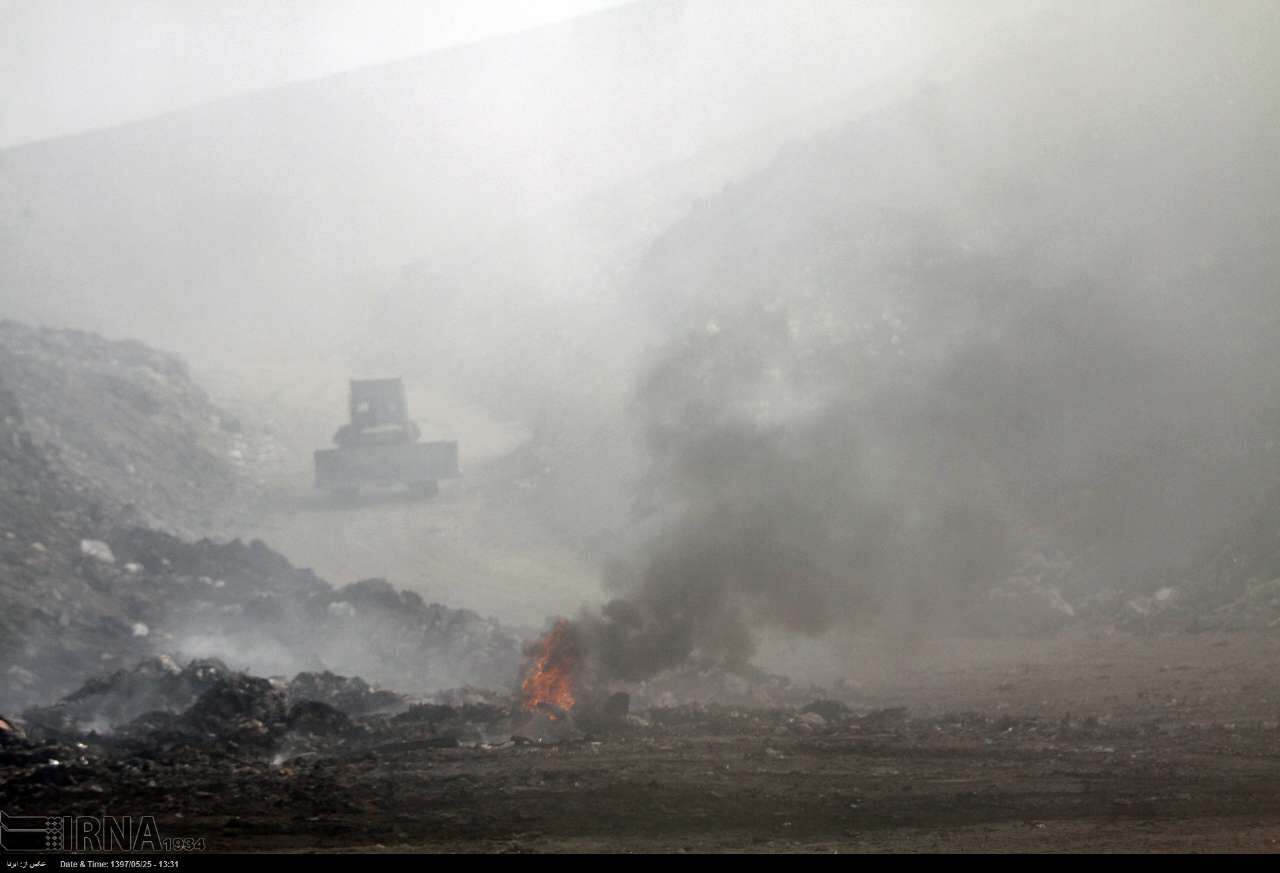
<point>557,685</point>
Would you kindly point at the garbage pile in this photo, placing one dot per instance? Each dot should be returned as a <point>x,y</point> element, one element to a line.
<point>1235,586</point>
<point>159,706</point>
<point>162,724</point>
<point>248,603</point>
<point>160,715</point>
<point>44,520</point>
<point>140,593</point>
<point>128,425</point>
<point>162,721</point>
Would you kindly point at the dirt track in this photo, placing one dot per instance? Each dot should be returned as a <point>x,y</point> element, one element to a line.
<point>465,548</point>
<point>473,545</point>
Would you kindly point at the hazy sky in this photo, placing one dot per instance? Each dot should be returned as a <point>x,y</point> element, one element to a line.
<point>74,65</point>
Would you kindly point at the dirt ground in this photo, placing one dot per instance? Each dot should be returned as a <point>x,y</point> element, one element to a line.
<point>467,547</point>
<point>1080,743</point>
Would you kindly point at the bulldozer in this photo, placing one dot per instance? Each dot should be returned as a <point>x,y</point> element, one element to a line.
<point>381,446</point>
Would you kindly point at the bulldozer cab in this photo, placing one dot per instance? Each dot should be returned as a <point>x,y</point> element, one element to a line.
<point>381,446</point>
<point>377,402</point>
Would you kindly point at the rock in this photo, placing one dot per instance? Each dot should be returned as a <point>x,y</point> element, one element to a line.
<point>98,550</point>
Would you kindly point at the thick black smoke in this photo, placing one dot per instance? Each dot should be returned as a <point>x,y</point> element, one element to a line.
<point>1032,309</point>
<point>814,468</point>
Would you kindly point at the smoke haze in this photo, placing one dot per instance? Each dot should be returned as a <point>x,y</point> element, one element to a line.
<point>909,358</point>
<point>809,316</point>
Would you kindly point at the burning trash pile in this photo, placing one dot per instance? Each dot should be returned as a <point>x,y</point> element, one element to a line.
<point>162,715</point>
<point>551,692</point>
<point>548,681</point>
<point>327,760</point>
<point>160,720</point>
<point>564,685</point>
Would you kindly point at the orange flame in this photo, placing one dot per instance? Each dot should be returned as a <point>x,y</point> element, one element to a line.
<point>548,683</point>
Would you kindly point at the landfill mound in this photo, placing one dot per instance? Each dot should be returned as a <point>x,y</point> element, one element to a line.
<point>247,603</point>
<point>130,428</point>
<point>159,704</point>
<point>88,584</point>
<point>139,593</point>
<point>44,519</point>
